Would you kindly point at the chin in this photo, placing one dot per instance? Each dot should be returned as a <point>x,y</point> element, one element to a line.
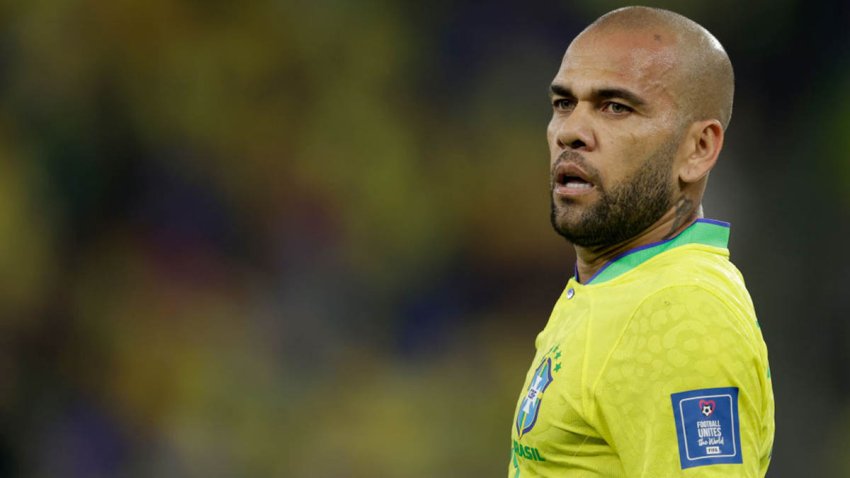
<point>565,222</point>
<point>566,214</point>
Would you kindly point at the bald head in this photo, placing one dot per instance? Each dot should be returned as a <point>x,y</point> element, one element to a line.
<point>701,76</point>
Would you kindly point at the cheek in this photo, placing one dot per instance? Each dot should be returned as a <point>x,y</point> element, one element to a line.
<point>552,134</point>
<point>628,149</point>
<point>552,137</point>
<point>621,165</point>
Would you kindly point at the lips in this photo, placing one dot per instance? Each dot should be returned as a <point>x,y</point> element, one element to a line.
<point>571,180</point>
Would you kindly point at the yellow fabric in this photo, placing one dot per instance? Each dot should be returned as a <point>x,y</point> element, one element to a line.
<point>616,351</point>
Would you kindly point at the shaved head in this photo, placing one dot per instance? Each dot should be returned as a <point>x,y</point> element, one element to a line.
<point>701,74</point>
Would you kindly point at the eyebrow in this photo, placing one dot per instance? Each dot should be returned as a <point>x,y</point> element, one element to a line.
<point>600,93</point>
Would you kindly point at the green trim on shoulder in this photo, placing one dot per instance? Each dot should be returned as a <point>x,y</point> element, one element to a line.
<point>703,231</point>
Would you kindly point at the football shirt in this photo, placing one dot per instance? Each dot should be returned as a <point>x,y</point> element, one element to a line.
<point>654,367</point>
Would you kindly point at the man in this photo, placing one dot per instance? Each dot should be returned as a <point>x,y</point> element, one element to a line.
<point>652,363</point>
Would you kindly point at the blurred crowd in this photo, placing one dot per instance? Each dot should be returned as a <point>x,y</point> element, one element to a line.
<point>311,238</point>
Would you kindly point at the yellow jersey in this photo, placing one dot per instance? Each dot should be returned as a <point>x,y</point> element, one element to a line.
<point>654,367</point>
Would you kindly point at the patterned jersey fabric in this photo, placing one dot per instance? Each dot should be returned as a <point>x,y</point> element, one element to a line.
<point>655,367</point>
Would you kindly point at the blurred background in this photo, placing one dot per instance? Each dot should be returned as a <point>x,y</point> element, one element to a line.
<point>310,238</point>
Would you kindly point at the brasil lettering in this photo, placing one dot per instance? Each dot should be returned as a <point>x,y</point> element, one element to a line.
<point>527,452</point>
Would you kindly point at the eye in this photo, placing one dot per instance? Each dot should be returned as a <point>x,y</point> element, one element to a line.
<point>563,104</point>
<point>616,108</point>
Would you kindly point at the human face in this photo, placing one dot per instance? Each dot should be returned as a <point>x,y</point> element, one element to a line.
<point>613,137</point>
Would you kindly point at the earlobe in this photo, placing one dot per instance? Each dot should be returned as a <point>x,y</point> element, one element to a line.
<point>705,141</point>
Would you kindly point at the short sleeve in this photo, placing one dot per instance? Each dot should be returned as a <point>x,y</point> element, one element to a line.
<point>684,390</point>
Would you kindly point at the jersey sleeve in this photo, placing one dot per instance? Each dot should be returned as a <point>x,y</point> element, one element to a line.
<point>685,390</point>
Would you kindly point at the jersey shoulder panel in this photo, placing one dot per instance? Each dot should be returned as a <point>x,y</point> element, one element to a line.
<point>681,339</point>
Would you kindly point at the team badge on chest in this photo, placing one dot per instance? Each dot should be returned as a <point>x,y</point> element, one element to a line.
<point>529,407</point>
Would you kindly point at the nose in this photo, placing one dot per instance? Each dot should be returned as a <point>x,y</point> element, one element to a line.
<point>575,129</point>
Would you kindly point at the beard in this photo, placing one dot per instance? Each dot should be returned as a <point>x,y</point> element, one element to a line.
<point>621,213</point>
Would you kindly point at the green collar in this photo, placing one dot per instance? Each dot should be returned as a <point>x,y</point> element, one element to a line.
<point>703,231</point>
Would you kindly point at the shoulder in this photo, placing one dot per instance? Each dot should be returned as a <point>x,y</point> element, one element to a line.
<point>698,276</point>
<point>679,337</point>
<point>686,305</point>
<point>690,286</point>
<point>693,308</point>
<point>684,333</point>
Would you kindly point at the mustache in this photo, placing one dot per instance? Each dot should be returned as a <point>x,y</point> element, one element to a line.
<point>570,156</point>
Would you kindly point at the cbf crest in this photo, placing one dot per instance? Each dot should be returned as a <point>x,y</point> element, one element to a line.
<point>529,408</point>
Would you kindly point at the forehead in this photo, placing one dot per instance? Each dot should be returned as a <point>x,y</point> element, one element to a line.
<point>642,61</point>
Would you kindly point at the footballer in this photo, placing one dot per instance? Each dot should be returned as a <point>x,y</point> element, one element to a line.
<point>652,363</point>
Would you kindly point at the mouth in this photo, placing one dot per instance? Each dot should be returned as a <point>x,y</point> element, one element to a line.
<point>571,180</point>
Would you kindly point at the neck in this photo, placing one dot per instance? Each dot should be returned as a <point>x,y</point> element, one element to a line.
<point>589,260</point>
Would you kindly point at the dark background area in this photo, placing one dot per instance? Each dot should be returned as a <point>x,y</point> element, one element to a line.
<point>311,239</point>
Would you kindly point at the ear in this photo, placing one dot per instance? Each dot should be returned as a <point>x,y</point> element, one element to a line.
<point>702,146</point>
